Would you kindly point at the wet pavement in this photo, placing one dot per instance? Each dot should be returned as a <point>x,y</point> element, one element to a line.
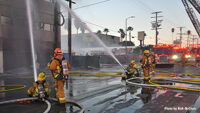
<point>106,95</point>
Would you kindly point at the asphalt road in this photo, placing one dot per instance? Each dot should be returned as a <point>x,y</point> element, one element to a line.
<point>113,96</point>
<point>106,95</point>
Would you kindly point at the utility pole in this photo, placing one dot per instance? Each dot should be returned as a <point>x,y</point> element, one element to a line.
<point>156,24</point>
<point>193,39</point>
<point>57,27</point>
<point>181,34</point>
<point>70,32</point>
<point>70,82</point>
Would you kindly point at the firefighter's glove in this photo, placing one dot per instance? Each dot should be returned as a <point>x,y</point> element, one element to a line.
<point>126,71</point>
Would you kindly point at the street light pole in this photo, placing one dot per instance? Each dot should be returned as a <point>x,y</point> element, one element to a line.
<point>126,24</point>
<point>126,31</point>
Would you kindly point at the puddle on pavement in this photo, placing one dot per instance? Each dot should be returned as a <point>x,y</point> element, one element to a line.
<point>178,83</point>
<point>111,95</point>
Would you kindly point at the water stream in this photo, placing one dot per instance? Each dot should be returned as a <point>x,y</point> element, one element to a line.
<point>30,26</point>
<point>67,9</point>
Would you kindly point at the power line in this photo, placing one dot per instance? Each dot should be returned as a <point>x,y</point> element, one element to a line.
<point>96,25</point>
<point>91,4</point>
<point>100,26</point>
<point>145,5</point>
<point>152,10</point>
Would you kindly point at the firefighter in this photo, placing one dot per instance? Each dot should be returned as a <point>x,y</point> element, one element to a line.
<point>153,60</point>
<point>183,59</point>
<point>132,70</point>
<point>40,87</point>
<point>146,65</point>
<point>59,78</point>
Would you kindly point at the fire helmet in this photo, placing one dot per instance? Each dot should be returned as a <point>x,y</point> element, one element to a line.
<point>57,51</point>
<point>146,51</point>
<point>41,76</point>
<point>132,61</point>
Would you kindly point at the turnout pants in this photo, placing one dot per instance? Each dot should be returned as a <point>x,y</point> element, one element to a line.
<point>60,94</point>
<point>146,71</point>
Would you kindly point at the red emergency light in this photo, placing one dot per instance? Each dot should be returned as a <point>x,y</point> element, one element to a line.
<point>164,45</point>
<point>167,45</point>
<point>176,48</point>
<point>157,46</point>
<point>185,48</point>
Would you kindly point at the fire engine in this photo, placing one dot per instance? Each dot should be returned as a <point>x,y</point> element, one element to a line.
<point>164,54</point>
<point>197,55</point>
<point>178,52</point>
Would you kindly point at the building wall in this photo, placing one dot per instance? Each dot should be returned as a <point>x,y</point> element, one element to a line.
<point>15,51</point>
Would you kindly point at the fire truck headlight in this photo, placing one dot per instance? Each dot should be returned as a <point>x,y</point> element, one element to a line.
<point>174,57</point>
<point>187,56</point>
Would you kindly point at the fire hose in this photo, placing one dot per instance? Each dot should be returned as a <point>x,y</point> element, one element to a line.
<point>14,89</point>
<point>44,100</point>
<point>31,98</point>
<point>152,84</point>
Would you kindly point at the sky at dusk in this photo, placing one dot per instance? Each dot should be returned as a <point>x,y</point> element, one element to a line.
<point>112,15</point>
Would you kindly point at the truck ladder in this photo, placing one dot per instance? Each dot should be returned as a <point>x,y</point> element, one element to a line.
<point>192,15</point>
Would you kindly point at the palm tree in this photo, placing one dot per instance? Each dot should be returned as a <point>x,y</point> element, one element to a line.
<point>188,33</point>
<point>77,24</point>
<point>106,30</point>
<point>172,35</point>
<point>82,28</point>
<point>122,33</point>
<point>130,29</point>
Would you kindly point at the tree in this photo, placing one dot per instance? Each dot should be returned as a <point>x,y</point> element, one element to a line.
<point>130,29</point>
<point>122,33</point>
<point>77,24</point>
<point>188,41</point>
<point>188,32</point>
<point>82,27</point>
<point>172,30</point>
<point>99,32</point>
<point>106,30</point>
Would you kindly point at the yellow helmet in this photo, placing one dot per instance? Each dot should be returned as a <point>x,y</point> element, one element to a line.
<point>132,61</point>
<point>146,51</point>
<point>135,66</point>
<point>41,76</point>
